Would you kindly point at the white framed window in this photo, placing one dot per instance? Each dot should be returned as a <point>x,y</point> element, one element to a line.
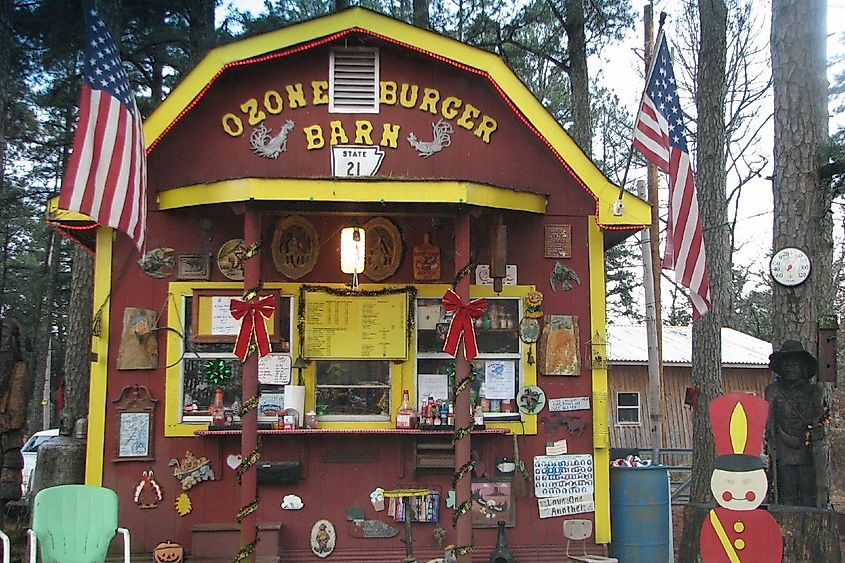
<point>498,366</point>
<point>352,390</point>
<point>199,359</point>
<point>354,80</point>
<point>628,408</point>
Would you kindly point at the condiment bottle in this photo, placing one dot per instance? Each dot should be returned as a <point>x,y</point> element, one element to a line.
<point>218,409</point>
<point>406,417</point>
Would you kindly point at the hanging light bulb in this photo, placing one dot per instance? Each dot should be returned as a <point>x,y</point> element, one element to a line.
<point>352,240</point>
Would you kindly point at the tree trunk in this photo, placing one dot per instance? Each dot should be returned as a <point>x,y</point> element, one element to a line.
<point>6,35</point>
<point>6,38</point>
<point>579,82</point>
<point>712,204</point>
<point>201,22</point>
<point>802,215</point>
<point>42,349</point>
<point>802,202</point>
<point>421,17</point>
<point>61,461</point>
<point>78,352</point>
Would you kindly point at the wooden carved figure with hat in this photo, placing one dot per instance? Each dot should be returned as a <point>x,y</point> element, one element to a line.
<point>796,414</point>
<point>738,531</point>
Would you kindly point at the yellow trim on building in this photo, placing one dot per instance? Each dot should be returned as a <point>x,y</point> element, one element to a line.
<point>601,432</point>
<point>372,191</point>
<point>95,444</point>
<point>634,211</point>
<point>56,213</point>
<point>402,374</point>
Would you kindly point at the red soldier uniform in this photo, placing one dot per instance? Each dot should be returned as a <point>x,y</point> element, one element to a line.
<point>737,531</point>
<point>751,536</point>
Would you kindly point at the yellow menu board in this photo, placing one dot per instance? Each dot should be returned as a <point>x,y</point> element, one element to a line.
<point>356,327</point>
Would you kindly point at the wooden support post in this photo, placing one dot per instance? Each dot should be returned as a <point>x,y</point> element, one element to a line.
<point>249,388</point>
<point>463,488</point>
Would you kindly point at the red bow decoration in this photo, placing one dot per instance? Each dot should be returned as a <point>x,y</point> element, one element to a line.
<point>462,325</point>
<point>252,314</point>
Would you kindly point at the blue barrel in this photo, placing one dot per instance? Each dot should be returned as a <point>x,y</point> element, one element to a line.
<point>640,514</point>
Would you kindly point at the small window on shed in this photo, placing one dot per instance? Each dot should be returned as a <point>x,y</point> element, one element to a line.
<point>354,80</point>
<point>627,408</point>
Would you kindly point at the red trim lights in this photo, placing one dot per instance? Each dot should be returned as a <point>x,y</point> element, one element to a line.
<point>461,66</point>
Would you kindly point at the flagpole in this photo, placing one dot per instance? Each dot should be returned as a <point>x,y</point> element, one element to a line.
<point>650,60</point>
<point>651,268</point>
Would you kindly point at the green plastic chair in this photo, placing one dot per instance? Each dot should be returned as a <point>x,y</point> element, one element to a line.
<point>74,524</point>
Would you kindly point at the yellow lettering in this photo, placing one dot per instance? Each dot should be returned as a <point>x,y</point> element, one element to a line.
<point>319,92</point>
<point>296,97</point>
<point>470,111</point>
<point>338,136</point>
<point>250,107</point>
<point>314,137</point>
<point>233,125</point>
<point>388,92</point>
<point>449,107</point>
<point>408,95</point>
<point>273,102</point>
<point>389,135</point>
<point>363,132</point>
<point>485,128</point>
<point>429,101</point>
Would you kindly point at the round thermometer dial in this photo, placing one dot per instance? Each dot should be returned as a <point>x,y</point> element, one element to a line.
<point>790,266</point>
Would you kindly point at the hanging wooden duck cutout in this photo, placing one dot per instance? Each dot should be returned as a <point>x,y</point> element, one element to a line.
<point>147,493</point>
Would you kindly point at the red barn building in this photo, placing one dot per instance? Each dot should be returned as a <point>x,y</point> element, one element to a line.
<point>452,175</point>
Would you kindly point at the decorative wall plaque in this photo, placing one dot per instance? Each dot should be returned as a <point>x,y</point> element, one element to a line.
<point>138,342</point>
<point>230,259</point>
<point>384,249</point>
<point>558,241</point>
<point>295,246</point>
<point>426,261</point>
<point>193,266</point>
<point>559,346</point>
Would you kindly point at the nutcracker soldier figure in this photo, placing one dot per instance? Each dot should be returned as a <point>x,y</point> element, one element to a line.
<point>737,531</point>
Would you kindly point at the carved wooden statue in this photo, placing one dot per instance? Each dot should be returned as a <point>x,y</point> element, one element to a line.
<point>796,415</point>
<point>14,395</point>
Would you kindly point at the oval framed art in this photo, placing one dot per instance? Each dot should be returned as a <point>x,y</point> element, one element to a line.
<point>384,249</point>
<point>295,246</point>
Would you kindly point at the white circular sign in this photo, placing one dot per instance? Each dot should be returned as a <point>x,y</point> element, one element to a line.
<point>790,266</point>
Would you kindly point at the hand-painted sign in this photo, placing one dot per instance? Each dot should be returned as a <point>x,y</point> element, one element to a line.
<point>562,475</point>
<point>565,505</point>
<point>569,404</point>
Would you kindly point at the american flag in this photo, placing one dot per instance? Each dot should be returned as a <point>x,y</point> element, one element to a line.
<point>659,136</point>
<point>106,176</point>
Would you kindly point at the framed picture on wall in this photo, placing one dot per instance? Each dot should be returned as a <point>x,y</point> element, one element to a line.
<point>135,411</point>
<point>134,429</point>
<point>492,501</point>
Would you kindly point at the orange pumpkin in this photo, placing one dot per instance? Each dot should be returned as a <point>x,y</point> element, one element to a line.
<point>168,552</point>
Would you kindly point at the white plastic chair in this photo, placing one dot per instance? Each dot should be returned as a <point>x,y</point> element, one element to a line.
<point>580,530</point>
<point>7,546</point>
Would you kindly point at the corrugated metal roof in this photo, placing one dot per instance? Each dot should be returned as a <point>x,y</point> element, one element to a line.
<point>629,344</point>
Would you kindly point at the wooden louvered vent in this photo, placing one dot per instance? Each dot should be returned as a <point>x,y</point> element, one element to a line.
<point>354,81</point>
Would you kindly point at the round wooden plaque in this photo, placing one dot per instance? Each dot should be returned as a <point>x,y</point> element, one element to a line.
<point>230,259</point>
<point>295,246</point>
<point>384,249</point>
